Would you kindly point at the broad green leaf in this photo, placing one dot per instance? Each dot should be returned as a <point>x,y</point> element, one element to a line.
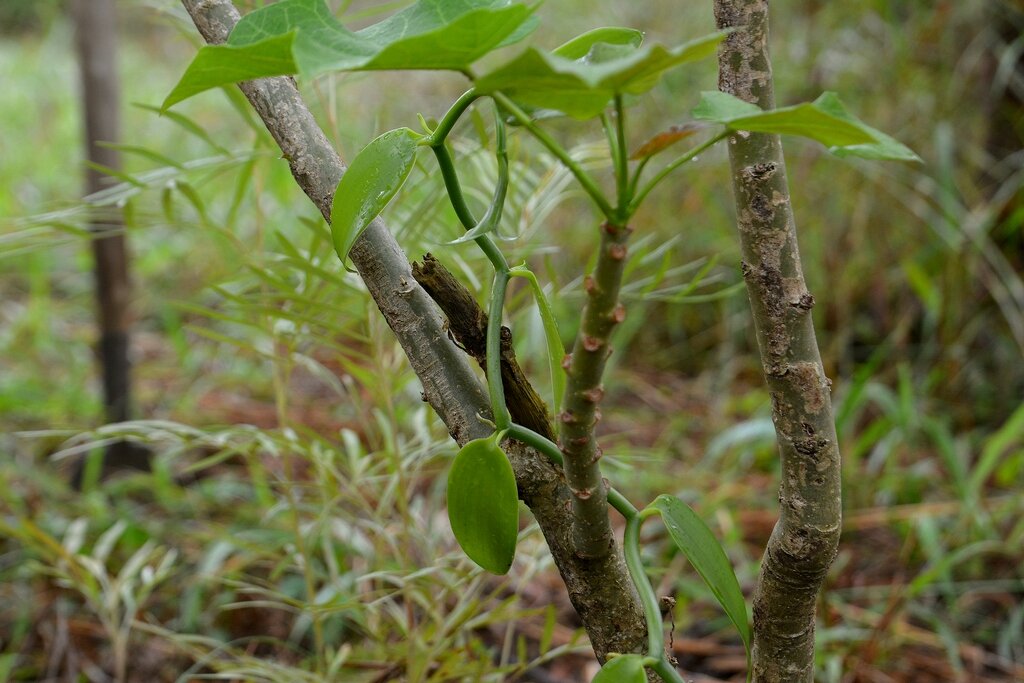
<point>483,504</point>
<point>444,34</point>
<point>825,120</point>
<point>601,53</point>
<point>217,65</point>
<point>522,31</point>
<point>722,107</point>
<point>302,36</point>
<point>582,88</point>
<point>578,47</point>
<point>591,47</point>
<point>701,548</point>
<point>321,43</point>
<point>622,669</point>
<point>885,147</point>
<point>375,176</point>
<point>807,120</point>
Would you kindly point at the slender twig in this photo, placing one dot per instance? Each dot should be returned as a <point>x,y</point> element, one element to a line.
<point>671,166</point>
<point>634,182</point>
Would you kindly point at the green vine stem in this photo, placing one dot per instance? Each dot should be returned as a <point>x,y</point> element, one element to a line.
<point>652,612</point>
<point>492,217</point>
<point>451,117</point>
<point>495,388</point>
<point>634,182</point>
<point>631,546</point>
<point>550,449</point>
<point>610,134</point>
<point>668,673</point>
<point>451,183</point>
<point>536,441</point>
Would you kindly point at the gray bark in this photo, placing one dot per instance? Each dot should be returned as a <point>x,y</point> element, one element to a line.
<point>804,541</point>
<point>600,590</point>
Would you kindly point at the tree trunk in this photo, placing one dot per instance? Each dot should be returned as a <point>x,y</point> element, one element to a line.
<point>96,40</point>
<point>600,590</point>
<point>804,541</point>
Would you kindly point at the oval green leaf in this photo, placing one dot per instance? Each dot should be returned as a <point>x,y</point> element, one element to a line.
<point>695,540</point>
<point>721,107</point>
<point>807,120</point>
<point>825,120</point>
<point>373,179</point>
<point>483,504</point>
<point>885,147</point>
<point>622,669</point>
<point>446,34</point>
<point>303,36</point>
<point>217,65</point>
<point>578,47</point>
<point>582,88</point>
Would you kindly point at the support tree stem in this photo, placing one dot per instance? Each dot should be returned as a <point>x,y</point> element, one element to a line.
<point>804,541</point>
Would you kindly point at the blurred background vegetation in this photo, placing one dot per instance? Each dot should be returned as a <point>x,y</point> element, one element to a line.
<point>293,528</point>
